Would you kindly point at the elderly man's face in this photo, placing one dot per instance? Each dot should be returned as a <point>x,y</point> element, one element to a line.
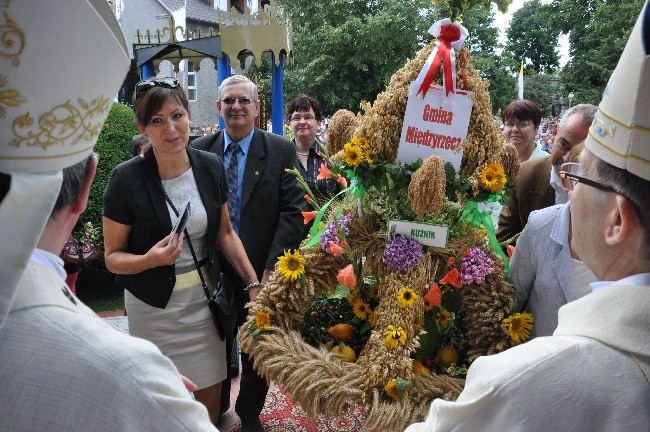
<point>569,133</point>
<point>239,117</point>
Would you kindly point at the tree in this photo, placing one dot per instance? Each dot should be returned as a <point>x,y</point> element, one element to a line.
<point>345,51</point>
<point>532,39</point>
<point>604,29</point>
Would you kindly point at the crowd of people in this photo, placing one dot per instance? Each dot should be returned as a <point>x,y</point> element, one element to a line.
<point>581,263</point>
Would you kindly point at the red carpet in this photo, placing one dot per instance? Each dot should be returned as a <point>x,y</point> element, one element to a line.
<point>280,414</point>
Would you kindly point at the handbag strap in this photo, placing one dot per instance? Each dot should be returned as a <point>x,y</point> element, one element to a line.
<point>189,243</point>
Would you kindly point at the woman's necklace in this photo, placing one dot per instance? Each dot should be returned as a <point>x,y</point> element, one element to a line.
<point>302,154</point>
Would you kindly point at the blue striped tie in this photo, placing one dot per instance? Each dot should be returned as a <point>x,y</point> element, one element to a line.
<point>232,176</point>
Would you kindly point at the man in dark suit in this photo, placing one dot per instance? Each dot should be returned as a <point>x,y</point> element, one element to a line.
<point>538,185</point>
<point>265,204</point>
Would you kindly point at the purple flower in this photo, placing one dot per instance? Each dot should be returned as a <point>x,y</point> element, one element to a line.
<point>331,233</point>
<point>402,253</point>
<point>475,266</point>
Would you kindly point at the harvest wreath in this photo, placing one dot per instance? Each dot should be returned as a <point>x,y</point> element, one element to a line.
<point>360,315</point>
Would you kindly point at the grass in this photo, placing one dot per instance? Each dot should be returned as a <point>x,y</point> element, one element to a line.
<point>97,289</point>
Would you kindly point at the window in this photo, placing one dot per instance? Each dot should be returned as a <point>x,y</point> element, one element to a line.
<point>191,81</point>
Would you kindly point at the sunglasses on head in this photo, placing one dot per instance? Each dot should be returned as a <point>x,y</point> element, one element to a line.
<point>144,86</point>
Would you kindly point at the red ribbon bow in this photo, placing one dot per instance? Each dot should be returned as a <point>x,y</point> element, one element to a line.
<point>448,34</point>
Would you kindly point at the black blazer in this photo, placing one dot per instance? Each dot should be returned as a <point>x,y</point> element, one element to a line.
<point>271,203</point>
<point>134,196</point>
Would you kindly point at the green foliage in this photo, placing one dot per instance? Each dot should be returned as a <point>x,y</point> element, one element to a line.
<point>113,147</point>
<point>532,38</point>
<point>345,51</point>
<point>597,46</point>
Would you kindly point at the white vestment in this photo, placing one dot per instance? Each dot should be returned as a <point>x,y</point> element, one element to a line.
<point>62,368</point>
<point>591,375</point>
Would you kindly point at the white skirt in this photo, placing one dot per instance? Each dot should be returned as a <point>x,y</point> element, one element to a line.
<point>183,331</point>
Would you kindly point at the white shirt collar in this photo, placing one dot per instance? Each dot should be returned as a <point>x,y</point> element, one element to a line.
<point>49,259</point>
<point>642,279</point>
<point>561,196</point>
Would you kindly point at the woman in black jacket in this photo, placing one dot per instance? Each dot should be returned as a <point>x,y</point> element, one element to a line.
<point>164,296</point>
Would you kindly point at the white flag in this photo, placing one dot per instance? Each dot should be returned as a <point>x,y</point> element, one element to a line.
<point>521,81</point>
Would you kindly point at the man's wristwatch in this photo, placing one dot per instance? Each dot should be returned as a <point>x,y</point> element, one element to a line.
<point>249,287</point>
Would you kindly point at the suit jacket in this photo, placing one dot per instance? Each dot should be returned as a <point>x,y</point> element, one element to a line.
<point>52,342</point>
<point>134,196</point>
<point>271,203</point>
<point>541,268</point>
<point>591,375</point>
<point>533,191</point>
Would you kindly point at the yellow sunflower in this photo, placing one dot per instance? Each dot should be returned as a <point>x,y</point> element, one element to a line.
<point>519,326</point>
<point>262,320</point>
<point>392,390</point>
<point>492,178</point>
<point>352,154</point>
<point>291,265</point>
<point>406,297</point>
<point>395,336</point>
<point>443,317</point>
<point>361,309</point>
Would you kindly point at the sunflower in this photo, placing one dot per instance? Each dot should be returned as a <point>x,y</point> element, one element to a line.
<point>352,154</point>
<point>428,305</point>
<point>361,309</point>
<point>443,317</point>
<point>262,320</point>
<point>406,297</point>
<point>291,265</point>
<point>492,177</point>
<point>395,336</point>
<point>396,389</point>
<point>519,326</point>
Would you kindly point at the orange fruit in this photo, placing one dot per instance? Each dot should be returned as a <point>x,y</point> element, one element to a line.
<point>344,353</point>
<point>342,332</point>
<point>420,369</point>
<point>446,356</point>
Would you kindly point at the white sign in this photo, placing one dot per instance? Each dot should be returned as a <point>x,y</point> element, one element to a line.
<point>433,129</point>
<point>425,234</point>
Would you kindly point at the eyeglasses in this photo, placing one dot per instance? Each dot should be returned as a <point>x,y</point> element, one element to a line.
<point>571,175</point>
<point>232,100</point>
<point>297,118</point>
<point>144,86</point>
<point>520,124</point>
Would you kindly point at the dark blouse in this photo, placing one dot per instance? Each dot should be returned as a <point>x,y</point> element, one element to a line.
<point>324,189</point>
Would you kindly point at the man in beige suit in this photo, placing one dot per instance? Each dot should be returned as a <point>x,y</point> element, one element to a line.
<point>538,183</point>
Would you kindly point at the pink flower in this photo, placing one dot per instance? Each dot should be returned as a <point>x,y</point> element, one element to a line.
<point>347,277</point>
<point>308,198</point>
<point>323,172</point>
<point>342,181</point>
<point>335,249</point>
<point>309,216</point>
<point>434,295</point>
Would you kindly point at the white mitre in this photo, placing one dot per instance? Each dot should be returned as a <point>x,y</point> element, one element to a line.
<point>61,65</point>
<point>620,132</point>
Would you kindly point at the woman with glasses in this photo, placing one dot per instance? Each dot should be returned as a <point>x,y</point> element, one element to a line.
<point>520,122</point>
<point>545,271</point>
<point>164,297</point>
<point>305,116</point>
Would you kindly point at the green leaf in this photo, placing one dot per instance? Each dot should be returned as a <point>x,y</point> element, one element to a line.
<point>341,291</point>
